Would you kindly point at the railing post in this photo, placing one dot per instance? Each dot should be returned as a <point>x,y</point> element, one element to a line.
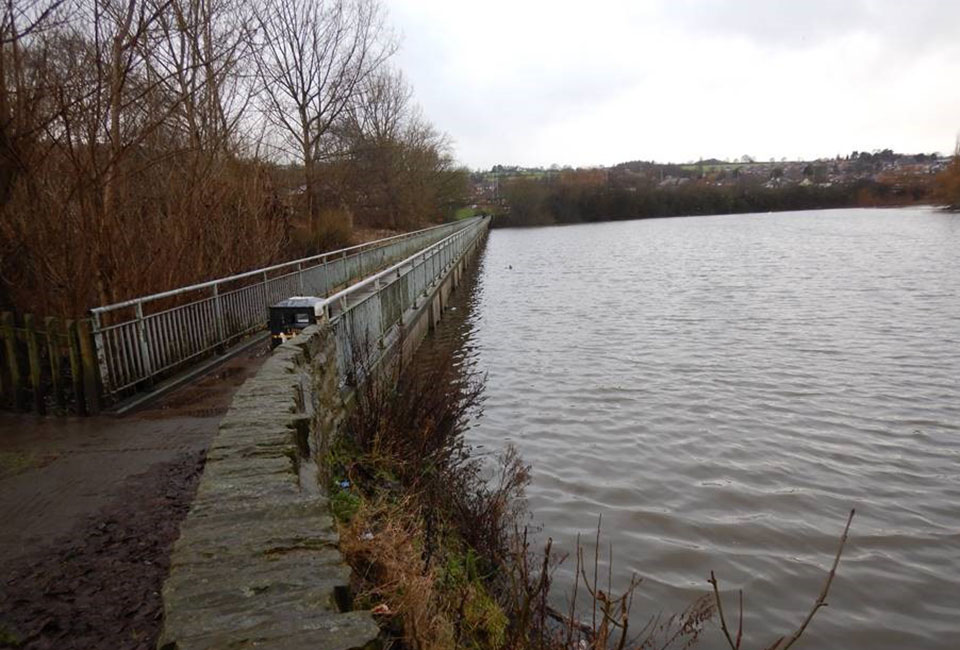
<point>377,288</point>
<point>218,313</point>
<point>325,287</point>
<point>300,277</point>
<point>144,346</point>
<point>423,266</point>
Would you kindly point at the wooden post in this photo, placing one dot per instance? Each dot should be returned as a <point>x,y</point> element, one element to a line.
<point>5,396</point>
<point>88,358</point>
<point>54,348</point>
<point>8,324</point>
<point>33,356</point>
<point>76,370</point>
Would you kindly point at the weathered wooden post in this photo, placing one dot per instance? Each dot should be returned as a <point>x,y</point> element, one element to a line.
<point>54,347</point>
<point>33,356</point>
<point>8,326</point>
<point>88,358</point>
<point>76,370</point>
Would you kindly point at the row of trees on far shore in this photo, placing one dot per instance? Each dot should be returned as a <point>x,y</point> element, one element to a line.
<point>585,196</point>
<point>147,144</point>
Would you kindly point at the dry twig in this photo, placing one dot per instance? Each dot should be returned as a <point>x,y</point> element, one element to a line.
<point>820,602</point>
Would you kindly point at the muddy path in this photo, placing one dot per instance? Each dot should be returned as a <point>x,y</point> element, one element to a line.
<point>90,508</point>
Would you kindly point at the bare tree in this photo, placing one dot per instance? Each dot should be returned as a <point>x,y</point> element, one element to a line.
<point>201,49</point>
<point>401,167</point>
<point>23,110</point>
<point>313,59</point>
<point>129,154</point>
<point>133,185</point>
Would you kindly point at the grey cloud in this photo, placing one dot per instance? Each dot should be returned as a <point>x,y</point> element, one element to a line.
<point>792,23</point>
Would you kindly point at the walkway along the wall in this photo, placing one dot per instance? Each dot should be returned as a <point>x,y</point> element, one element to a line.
<point>257,562</point>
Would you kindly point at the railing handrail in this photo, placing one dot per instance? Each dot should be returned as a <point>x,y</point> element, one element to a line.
<point>357,286</point>
<point>378,243</point>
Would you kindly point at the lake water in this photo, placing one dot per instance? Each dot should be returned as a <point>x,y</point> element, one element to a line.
<point>723,390</point>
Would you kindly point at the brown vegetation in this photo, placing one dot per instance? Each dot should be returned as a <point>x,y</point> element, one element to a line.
<point>948,184</point>
<point>148,144</point>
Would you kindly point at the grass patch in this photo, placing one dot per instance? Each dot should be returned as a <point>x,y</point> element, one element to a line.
<point>344,504</point>
<point>17,462</point>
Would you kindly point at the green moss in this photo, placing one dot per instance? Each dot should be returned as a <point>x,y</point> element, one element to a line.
<point>15,462</point>
<point>8,638</point>
<point>483,622</point>
<point>344,504</point>
<point>484,619</point>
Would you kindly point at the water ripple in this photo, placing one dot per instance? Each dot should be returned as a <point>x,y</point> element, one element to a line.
<point>724,389</point>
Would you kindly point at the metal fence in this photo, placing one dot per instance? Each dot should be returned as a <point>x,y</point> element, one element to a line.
<point>367,316</point>
<point>140,340</point>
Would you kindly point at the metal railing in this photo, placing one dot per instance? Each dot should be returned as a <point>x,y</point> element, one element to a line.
<point>367,316</point>
<point>140,340</point>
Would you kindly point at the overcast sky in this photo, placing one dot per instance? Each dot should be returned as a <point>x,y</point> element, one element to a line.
<point>593,82</point>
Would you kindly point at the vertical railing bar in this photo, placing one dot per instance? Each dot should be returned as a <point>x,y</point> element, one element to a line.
<point>128,348</point>
<point>203,335</point>
<point>150,325</point>
<point>146,371</point>
<point>197,312</point>
<point>213,325</point>
<point>218,309</point>
<point>164,324</point>
<point>121,367</point>
<point>182,328</point>
<point>186,317</point>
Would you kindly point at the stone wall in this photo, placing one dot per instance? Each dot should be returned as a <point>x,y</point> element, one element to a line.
<point>257,562</point>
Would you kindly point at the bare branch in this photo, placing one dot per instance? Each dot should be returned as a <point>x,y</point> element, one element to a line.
<point>719,603</point>
<point>821,599</point>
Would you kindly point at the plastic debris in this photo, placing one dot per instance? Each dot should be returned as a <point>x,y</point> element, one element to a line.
<point>382,609</point>
<point>344,484</point>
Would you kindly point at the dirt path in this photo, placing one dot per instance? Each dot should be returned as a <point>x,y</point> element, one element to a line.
<point>90,507</point>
